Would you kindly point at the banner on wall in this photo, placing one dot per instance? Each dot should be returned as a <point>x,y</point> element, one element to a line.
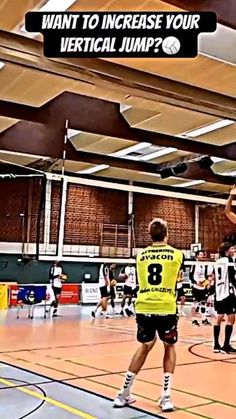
<point>32,294</point>
<point>70,294</point>
<point>3,297</point>
<point>13,292</point>
<point>91,293</point>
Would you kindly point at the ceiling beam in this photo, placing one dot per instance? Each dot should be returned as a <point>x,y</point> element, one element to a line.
<point>95,116</point>
<point>193,172</point>
<point>224,9</point>
<point>35,144</point>
<point>106,74</point>
<point>23,112</point>
<point>101,117</point>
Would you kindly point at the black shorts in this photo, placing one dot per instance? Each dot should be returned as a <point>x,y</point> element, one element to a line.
<point>57,291</point>
<point>180,293</point>
<point>226,306</point>
<point>149,325</point>
<point>135,292</point>
<point>199,295</point>
<point>128,290</point>
<point>112,293</point>
<point>103,291</point>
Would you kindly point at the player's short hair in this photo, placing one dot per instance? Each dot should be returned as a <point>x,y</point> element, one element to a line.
<point>158,229</point>
<point>198,252</point>
<point>224,247</point>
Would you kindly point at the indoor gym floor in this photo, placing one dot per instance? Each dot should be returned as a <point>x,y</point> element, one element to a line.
<point>57,368</point>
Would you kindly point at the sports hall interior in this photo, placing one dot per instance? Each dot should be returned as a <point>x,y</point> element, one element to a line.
<point>91,150</point>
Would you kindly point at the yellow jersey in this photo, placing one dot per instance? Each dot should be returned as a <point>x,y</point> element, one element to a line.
<point>158,268</point>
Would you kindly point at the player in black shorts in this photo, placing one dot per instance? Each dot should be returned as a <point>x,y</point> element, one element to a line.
<point>199,274</point>
<point>158,269</point>
<point>225,300</point>
<point>180,295</point>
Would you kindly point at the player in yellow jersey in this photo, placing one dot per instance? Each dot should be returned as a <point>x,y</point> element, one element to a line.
<point>158,268</point>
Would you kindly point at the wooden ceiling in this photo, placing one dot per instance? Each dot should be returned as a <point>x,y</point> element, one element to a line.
<point>27,78</point>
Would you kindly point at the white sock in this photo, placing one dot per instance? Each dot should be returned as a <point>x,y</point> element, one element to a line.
<point>166,384</point>
<point>125,391</point>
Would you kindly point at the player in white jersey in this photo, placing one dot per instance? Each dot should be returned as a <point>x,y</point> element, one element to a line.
<point>104,283</point>
<point>225,300</point>
<point>199,274</point>
<point>56,280</point>
<point>180,294</point>
<point>129,275</point>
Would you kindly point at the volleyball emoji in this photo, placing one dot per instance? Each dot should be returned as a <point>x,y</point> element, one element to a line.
<point>171,45</point>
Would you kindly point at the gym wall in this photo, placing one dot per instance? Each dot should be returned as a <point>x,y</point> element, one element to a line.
<point>37,272</point>
<point>178,213</point>
<point>19,197</point>
<point>88,206</point>
<point>213,226</point>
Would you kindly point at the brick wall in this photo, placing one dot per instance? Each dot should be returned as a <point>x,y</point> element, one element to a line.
<point>179,215</point>
<point>14,201</point>
<point>88,207</point>
<point>213,227</point>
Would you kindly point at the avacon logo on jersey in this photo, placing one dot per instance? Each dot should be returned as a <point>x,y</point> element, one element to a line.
<point>121,34</point>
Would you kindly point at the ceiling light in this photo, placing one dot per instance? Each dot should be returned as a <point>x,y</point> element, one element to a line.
<point>57,6</point>
<point>209,128</point>
<point>150,174</point>
<point>124,107</point>
<point>217,159</point>
<point>229,173</point>
<point>190,183</point>
<point>72,132</point>
<point>94,169</point>
<point>158,153</point>
<point>1,65</point>
<point>51,6</point>
<point>131,149</point>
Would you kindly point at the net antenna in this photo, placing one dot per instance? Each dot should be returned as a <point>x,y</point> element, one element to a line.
<point>64,147</point>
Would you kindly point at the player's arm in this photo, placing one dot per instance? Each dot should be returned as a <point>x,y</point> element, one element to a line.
<point>106,275</point>
<point>209,272</point>
<point>180,276</point>
<point>122,274</point>
<point>228,208</point>
<point>193,280</point>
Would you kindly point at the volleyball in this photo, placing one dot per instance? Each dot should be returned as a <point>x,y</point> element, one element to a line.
<point>113,282</point>
<point>171,45</point>
<point>206,283</point>
<point>63,277</point>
